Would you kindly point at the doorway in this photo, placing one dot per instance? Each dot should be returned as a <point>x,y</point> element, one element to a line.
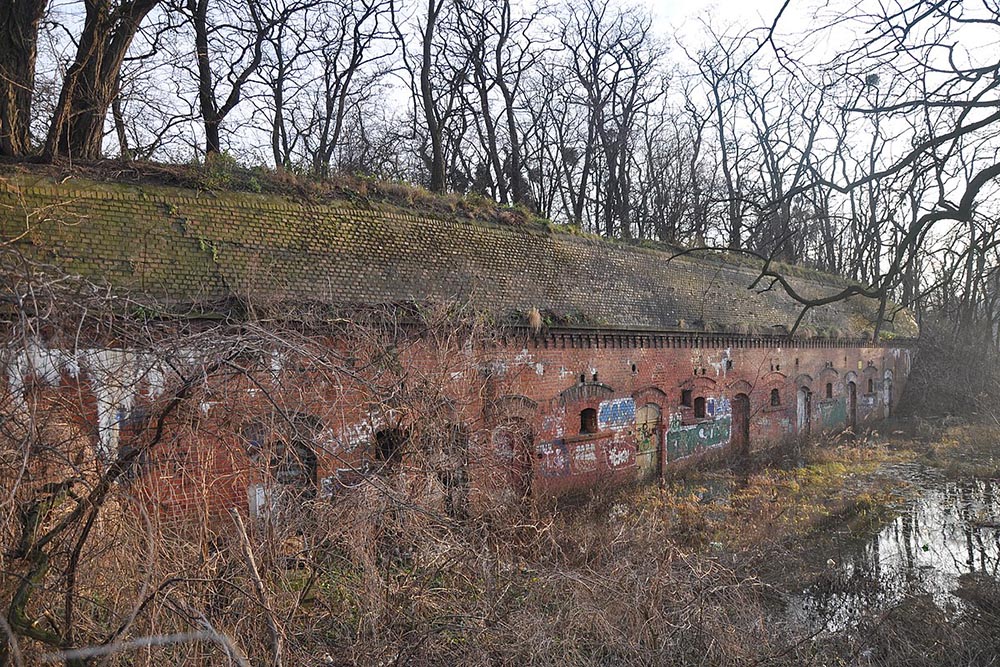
<point>804,411</point>
<point>648,457</point>
<point>741,425</point>
<point>852,406</point>
<point>513,444</point>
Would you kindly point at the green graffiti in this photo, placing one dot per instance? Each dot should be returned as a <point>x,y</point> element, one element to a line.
<point>687,440</point>
<point>646,437</point>
<point>832,413</point>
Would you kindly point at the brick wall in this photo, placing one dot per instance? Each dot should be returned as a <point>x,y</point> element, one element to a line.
<point>201,248</point>
<point>661,349</point>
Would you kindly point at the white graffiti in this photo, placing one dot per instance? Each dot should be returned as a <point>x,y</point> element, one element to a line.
<point>585,454</point>
<point>555,423</point>
<point>353,436</point>
<point>618,456</point>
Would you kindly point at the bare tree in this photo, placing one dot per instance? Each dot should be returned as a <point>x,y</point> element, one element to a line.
<point>92,81</point>
<point>18,51</point>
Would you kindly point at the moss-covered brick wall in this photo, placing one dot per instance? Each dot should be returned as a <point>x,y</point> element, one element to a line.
<point>198,247</point>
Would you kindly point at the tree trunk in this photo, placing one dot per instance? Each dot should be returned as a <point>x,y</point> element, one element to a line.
<point>18,48</point>
<point>437,183</point>
<point>91,82</point>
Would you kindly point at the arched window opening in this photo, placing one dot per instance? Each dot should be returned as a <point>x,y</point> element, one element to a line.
<point>871,386</point>
<point>829,390</point>
<point>389,445</point>
<point>687,398</point>
<point>699,407</point>
<point>775,397</point>
<point>293,465</point>
<point>588,421</point>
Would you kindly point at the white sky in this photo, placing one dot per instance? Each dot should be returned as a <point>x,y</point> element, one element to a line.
<point>674,12</point>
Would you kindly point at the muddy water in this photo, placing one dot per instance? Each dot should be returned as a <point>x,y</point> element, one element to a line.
<point>946,535</point>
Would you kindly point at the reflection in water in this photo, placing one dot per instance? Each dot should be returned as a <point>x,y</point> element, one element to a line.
<point>952,529</point>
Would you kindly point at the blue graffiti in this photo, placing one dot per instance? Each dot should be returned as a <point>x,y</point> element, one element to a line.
<point>616,414</point>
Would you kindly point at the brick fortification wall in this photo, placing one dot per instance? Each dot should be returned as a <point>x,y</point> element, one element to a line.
<point>674,355</point>
<point>204,248</point>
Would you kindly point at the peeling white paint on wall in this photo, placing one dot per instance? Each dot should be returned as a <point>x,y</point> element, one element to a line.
<point>115,377</point>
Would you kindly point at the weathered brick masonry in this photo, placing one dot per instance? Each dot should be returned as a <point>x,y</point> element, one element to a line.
<point>644,359</point>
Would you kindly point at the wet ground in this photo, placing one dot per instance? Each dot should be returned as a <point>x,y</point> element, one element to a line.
<point>941,543</point>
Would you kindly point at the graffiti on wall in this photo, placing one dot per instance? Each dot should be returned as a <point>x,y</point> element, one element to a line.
<point>646,437</point>
<point>620,451</point>
<point>616,414</point>
<point>583,457</point>
<point>832,413</point>
<point>117,379</point>
<point>554,423</point>
<point>553,459</point>
<point>716,431</point>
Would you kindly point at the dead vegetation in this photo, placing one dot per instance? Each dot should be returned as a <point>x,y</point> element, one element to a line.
<point>406,566</point>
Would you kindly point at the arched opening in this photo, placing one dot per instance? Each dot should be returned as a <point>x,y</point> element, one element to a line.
<point>829,390</point>
<point>588,421</point>
<point>804,411</point>
<point>852,405</point>
<point>513,445</point>
<point>775,398</point>
<point>687,399</point>
<point>293,465</point>
<point>389,445</point>
<point>649,457</point>
<point>741,425</point>
<point>284,455</point>
<point>699,407</point>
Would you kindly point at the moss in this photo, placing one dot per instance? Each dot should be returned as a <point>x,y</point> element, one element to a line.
<point>178,242</point>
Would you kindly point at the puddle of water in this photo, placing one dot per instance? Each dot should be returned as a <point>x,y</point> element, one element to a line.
<point>949,530</point>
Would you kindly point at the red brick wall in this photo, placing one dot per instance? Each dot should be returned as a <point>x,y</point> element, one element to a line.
<point>520,404</point>
<point>648,369</point>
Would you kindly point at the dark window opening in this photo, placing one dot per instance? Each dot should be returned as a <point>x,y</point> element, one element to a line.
<point>871,386</point>
<point>777,367</point>
<point>583,378</point>
<point>294,466</point>
<point>729,364</point>
<point>775,397</point>
<point>699,407</point>
<point>686,397</point>
<point>389,445</point>
<point>829,390</point>
<point>634,369</point>
<point>595,377</point>
<point>588,421</point>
